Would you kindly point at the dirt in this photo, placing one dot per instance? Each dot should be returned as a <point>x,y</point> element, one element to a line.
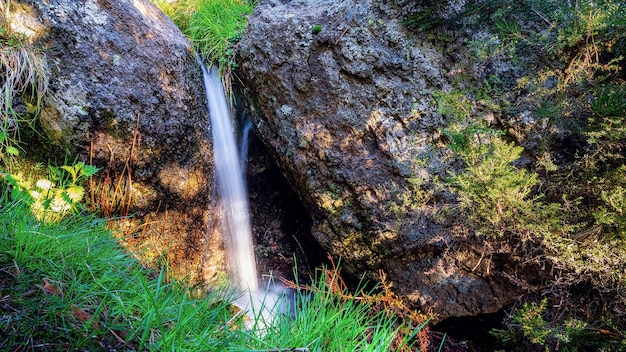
<point>281,226</point>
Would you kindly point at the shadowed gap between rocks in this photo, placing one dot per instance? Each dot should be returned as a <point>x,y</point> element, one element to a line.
<point>281,226</point>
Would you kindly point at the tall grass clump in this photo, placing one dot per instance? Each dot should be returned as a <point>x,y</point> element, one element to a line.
<point>326,316</point>
<point>69,285</point>
<point>24,80</point>
<point>212,26</point>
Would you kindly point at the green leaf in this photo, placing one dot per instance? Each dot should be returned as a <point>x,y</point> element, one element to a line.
<point>75,193</point>
<point>12,151</point>
<point>89,170</point>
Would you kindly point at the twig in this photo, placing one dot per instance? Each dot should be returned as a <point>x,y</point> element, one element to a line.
<point>119,339</point>
<point>341,36</point>
<point>482,255</point>
<point>229,322</point>
<point>543,17</point>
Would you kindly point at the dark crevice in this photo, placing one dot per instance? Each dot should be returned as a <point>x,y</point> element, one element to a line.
<point>281,225</point>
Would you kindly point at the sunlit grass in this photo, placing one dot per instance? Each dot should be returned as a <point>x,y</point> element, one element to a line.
<point>211,25</point>
<point>321,318</point>
<point>70,284</point>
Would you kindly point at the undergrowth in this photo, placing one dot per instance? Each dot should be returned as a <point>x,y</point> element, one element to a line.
<point>542,178</point>
<point>69,285</point>
<point>212,26</point>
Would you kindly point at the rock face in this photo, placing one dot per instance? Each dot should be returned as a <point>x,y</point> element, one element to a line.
<point>342,94</point>
<point>126,93</point>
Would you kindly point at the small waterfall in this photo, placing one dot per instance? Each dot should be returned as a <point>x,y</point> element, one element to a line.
<point>245,143</point>
<point>232,189</point>
<point>260,304</point>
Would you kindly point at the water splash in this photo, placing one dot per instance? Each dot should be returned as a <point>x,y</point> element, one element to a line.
<point>232,189</point>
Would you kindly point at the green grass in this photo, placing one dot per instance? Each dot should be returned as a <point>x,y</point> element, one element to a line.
<point>212,26</point>
<point>327,320</point>
<point>69,285</point>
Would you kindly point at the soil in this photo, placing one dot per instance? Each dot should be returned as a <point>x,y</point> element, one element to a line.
<point>281,226</point>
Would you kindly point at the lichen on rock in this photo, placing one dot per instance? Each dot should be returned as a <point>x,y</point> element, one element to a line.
<point>351,116</point>
<point>126,94</point>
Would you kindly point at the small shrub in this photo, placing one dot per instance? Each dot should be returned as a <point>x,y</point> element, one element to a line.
<point>53,198</point>
<point>606,130</point>
<point>497,194</point>
<point>612,212</point>
<point>528,330</point>
<point>530,320</point>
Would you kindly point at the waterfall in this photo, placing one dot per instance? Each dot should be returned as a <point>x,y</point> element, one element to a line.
<point>232,189</point>
<point>260,304</point>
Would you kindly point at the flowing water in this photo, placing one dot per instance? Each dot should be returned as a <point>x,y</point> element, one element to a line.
<point>232,189</point>
<point>261,305</point>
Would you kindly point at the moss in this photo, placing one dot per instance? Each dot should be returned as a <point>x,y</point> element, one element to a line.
<point>316,29</point>
<point>113,126</point>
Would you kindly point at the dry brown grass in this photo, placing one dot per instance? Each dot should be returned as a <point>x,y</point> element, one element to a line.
<point>23,74</point>
<point>24,67</point>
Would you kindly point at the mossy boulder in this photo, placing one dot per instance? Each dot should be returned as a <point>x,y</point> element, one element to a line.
<point>349,111</point>
<point>126,94</point>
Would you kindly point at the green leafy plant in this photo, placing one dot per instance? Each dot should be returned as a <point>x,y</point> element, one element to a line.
<point>8,151</point>
<point>54,197</point>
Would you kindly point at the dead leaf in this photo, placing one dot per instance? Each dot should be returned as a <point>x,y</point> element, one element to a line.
<point>83,316</point>
<point>50,288</point>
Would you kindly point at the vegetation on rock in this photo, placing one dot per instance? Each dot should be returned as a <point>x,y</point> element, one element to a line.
<point>544,179</point>
<point>212,26</point>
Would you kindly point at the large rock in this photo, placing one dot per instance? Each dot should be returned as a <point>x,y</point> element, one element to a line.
<point>126,91</point>
<point>342,94</point>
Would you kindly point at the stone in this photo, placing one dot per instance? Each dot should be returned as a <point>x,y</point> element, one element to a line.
<point>126,94</point>
<point>342,94</point>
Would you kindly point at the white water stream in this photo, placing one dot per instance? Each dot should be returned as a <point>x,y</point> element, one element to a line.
<point>260,305</point>
<point>232,189</point>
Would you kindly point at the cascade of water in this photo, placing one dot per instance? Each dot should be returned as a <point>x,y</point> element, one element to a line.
<point>264,304</point>
<point>232,190</point>
<point>245,136</point>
